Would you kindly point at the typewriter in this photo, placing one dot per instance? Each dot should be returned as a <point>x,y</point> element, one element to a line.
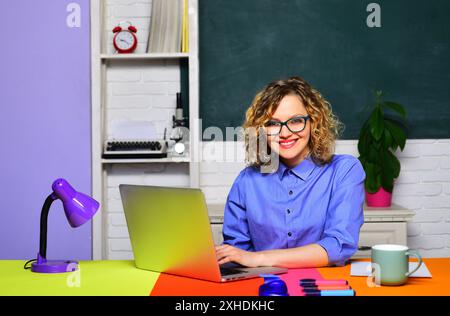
<point>134,149</point>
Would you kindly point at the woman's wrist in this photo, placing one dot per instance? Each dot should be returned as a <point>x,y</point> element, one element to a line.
<point>265,259</point>
<point>312,255</point>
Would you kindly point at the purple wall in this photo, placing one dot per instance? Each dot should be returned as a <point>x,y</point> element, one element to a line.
<point>44,124</point>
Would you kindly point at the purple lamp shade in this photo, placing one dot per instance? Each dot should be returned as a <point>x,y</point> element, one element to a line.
<point>79,207</point>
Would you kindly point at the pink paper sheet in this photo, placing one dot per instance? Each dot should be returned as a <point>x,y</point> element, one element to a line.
<point>294,275</point>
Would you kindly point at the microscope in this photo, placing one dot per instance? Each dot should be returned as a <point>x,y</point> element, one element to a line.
<point>179,134</point>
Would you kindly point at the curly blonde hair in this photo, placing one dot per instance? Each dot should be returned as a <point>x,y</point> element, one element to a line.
<point>325,126</point>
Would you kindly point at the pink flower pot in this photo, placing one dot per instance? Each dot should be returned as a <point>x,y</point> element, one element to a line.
<point>381,198</point>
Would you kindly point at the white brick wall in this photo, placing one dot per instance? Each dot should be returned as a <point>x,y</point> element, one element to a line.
<point>142,91</point>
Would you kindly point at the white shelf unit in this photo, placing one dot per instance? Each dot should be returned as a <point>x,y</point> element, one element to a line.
<point>101,59</point>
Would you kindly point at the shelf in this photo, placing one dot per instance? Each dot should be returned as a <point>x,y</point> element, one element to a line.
<point>394,213</point>
<point>154,160</point>
<point>143,56</point>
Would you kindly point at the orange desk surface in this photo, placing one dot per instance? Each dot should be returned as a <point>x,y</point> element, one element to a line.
<point>438,285</point>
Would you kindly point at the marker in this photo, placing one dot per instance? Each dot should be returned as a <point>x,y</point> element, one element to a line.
<point>326,287</point>
<point>322,282</point>
<point>330,293</point>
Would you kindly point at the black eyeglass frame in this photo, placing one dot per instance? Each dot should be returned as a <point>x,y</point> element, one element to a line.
<point>285,123</point>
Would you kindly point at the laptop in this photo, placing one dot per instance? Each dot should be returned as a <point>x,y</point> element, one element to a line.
<point>170,232</point>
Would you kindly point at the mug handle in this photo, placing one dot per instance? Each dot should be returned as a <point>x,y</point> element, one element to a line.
<point>414,254</point>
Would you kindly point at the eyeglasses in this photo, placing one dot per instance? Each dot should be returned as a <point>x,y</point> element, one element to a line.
<point>295,125</point>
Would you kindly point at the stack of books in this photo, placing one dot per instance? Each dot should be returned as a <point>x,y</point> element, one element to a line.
<point>169,27</point>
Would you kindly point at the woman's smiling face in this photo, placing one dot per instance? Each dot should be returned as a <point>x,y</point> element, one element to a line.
<point>291,147</point>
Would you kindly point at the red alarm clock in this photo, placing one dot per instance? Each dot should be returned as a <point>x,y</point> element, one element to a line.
<point>125,40</point>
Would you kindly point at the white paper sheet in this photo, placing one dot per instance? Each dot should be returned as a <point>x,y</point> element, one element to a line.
<point>131,130</point>
<point>363,268</point>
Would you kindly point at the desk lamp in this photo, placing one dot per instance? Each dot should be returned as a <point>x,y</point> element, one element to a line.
<point>79,209</point>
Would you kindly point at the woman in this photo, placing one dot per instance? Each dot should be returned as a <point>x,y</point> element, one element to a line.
<point>308,212</point>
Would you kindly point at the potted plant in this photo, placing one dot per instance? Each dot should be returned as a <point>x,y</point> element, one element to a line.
<point>380,136</point>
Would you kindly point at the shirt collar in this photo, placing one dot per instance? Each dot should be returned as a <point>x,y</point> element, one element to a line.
<point>302,170</point>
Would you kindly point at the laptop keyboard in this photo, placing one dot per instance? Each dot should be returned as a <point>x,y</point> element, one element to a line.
<point>229,271</point>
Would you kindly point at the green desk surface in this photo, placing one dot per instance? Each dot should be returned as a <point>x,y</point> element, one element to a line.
<point>93,278</point>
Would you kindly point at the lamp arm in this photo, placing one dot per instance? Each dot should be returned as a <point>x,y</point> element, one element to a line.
<point>44,219</point>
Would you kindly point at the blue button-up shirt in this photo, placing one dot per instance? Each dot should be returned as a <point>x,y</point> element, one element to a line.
<point>308,204</point>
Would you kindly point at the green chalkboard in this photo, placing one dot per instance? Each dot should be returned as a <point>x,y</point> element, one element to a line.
<point>245,44</point>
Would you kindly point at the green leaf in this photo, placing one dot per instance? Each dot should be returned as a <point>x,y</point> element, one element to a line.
<point>396,107</point>
<point>362,159</point>
<point>397,133</point>
<point>396,165</point>
<point>373,155</point>
<point>403,124</point>
<point>373,177</point>
<point>391,165</point>
<point>362,143</point>
<point>377,145</point>
<point>387,183</point>
<point>369,183</point>
<point>387,139</point>
<point>374,184</point>
<point>376,124</point>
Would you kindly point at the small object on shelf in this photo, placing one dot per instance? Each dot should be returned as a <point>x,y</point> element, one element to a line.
<point>132,149</point>
<point>179,148</point>
<point>178,127</point>
<point>178,120</point>
<point>169,27</point>
<point>79,209</point>
<point>125,40</point>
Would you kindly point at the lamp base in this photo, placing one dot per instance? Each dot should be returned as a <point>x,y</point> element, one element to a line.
<point>53,266</point>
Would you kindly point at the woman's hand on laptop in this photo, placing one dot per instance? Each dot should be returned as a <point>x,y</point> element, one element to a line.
<point>226,253</point>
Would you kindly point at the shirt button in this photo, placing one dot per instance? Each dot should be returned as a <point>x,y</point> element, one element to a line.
<point>290,192</point>
<point>288,211</point>
<point>289,234</point>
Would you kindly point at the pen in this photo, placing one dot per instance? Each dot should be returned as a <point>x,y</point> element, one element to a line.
<point>322,282</point>
<point>326,287</point>
<point>329,293</point>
